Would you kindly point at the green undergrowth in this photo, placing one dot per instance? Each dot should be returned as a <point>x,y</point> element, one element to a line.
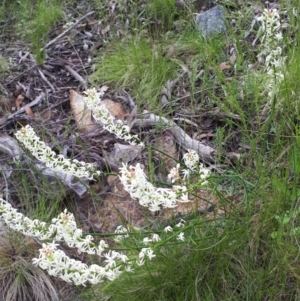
<point>143,66</point>
<point>138,65</point>
<point>252,252</point>
<point>39,197</point>
<point>32,20</point>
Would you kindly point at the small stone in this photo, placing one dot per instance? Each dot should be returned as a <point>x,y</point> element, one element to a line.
<point>211,21</point>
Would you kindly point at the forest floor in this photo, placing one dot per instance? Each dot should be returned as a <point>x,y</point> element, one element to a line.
<point>177,91</point>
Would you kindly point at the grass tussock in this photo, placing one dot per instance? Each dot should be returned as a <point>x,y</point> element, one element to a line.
<point>19,278</point>
<point>139,66</point>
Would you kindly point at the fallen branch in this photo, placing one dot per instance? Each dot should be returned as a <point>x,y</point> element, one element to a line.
<point>205,152</point>
<point>10,147</point>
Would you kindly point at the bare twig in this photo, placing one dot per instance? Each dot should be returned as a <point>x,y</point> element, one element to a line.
<point>45,79</point>
<point>20,74</point>
<point>66,31</point>
<point>6,184</point>
<point>77,76</point>
<point>22,110</point>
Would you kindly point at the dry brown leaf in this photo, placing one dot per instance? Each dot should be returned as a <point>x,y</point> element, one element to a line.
<point>28,111</point>
<point>224,66</point>
<point>105,30</point>
<point>166,143</point>
<point>115,109</point>
<point>124,153</point>
<point>232,59</point>
<point>82,116</point>
<point>46,115</point>
<point>19,101</point>
<point>170,51</point>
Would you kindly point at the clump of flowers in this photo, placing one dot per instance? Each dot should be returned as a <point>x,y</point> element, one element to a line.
<point>56,262</point>
<point>271,37</point>
<point>191,160</point>
<point>102,114</point>
<point>136,184</point>
<point>45,154</point>
<point>64,228</point>
<point>123,231</point>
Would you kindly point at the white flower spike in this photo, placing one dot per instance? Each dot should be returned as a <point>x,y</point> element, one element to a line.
<point>102,114</point>
<point>270,37</point>
<point>44,153</point>
<point>136,184</point>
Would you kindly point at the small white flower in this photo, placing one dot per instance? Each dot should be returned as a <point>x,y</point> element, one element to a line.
<point>143,252</point>
<point>180,236</point>
<point>168,229</point>
<point>186,173</point>
<point>146,240</point>
<point>155,238</point>
<point>140,261</point>
<point>180,224</point>
<point>150,254</point>
<point>112,274</point>
<point>128,268</point>
<point>123,257</point>
<point>174,173</point>
<point>123,230</point>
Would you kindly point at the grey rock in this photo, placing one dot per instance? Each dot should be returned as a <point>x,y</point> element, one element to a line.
<point>211,21</point>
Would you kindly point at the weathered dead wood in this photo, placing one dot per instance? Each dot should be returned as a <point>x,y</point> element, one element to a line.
<point>9,146</point>
<point>205,152</point>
